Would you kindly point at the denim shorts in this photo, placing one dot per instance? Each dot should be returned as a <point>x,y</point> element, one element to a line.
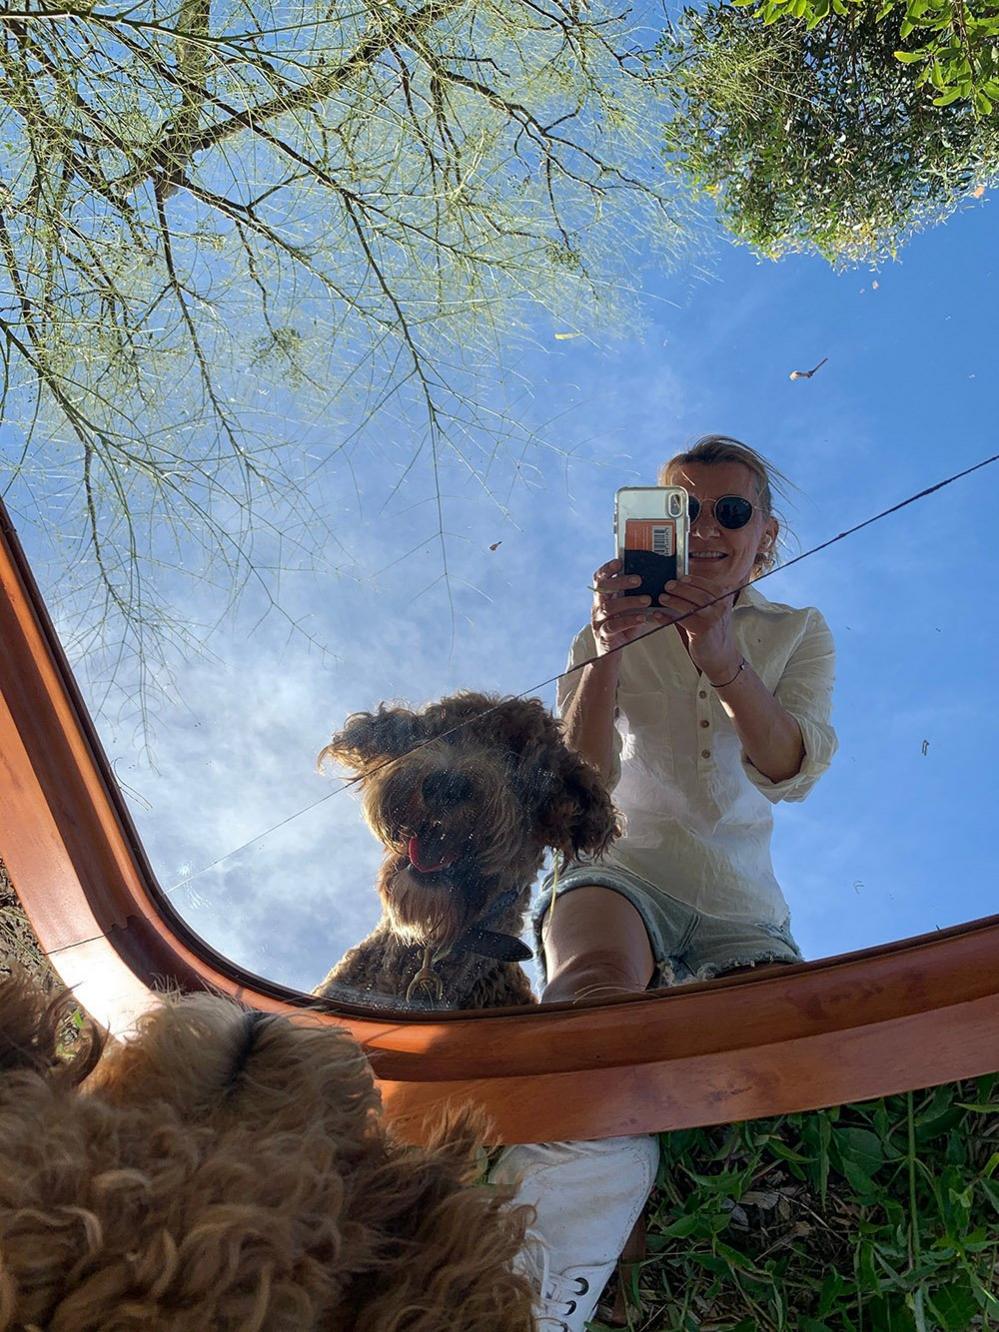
<point>687,945</point>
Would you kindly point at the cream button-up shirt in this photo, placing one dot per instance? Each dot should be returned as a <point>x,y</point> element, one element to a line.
<point>697,814</point>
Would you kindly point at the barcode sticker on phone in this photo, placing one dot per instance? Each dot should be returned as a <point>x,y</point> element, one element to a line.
<point>655,534</point>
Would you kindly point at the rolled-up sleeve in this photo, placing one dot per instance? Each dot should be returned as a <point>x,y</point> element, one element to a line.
<point>584,648</point>
<point>805,691</point>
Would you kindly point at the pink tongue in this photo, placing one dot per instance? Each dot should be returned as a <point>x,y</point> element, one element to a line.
<point>413,851</point>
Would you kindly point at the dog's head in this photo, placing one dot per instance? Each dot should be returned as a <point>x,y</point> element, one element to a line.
<point>466,795</point>
<point>231,1169</point>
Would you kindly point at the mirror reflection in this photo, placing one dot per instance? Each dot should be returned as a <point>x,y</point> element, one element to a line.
<point>415,575</point>
<point>465,796</point>
<point>891,842</point>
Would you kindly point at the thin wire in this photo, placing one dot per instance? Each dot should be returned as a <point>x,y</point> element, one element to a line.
<point>533,689</point>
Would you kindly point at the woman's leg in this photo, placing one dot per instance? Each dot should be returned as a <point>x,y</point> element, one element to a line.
<point>595,943</point>
<point>586,1195</point>
<point>586,1198</point>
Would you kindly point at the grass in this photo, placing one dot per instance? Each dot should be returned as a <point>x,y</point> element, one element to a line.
<point>877,1217</point>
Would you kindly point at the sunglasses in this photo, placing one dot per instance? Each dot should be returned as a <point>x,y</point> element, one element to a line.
<point>731,511</point>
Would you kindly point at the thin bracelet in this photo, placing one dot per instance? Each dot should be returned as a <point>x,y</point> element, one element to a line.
<point>743,663</point>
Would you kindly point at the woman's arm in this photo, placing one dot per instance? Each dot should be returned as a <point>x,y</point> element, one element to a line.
<point>770,735</point>
<point>588,720</point>
<point>588,698</point>
<point>773,739</point>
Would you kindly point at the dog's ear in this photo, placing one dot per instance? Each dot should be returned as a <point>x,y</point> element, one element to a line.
<point>524,727</point>
<point>32,1032</point>
<point>576,815</point>
<point>369,738</point>
<point>574,811</point>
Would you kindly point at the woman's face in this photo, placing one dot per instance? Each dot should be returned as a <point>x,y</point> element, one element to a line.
<point>723,555</point>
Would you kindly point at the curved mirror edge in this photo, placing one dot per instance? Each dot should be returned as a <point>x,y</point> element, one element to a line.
<point>888,1019</point>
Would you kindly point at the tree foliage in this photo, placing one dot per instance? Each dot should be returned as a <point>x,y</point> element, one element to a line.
<point>235,237</point>
<point>952,44</point>
<point>815,139</point>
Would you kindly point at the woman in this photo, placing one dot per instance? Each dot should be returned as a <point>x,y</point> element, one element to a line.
<point>699,728</point>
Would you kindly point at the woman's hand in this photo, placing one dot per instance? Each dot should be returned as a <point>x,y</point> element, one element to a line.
<point>617,616</point>
<point>710,640</point>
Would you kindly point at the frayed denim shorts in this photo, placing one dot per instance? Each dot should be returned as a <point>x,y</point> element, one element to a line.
<point>687,945</point>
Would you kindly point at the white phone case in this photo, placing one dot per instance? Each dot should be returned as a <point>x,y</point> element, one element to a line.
<point>650,532</point>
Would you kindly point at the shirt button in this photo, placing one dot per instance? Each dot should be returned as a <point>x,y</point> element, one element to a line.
<point>702,693</point>
<point>705,753</point>
<point>705,722</point>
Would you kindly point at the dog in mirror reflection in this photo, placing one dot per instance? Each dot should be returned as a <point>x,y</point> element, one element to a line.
<point>466,796</point>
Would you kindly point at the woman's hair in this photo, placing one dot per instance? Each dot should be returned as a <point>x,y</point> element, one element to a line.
<point>711,449</point>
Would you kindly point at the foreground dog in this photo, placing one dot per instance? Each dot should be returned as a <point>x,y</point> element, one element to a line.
<point>466,796</point>
<point>229,1170</point>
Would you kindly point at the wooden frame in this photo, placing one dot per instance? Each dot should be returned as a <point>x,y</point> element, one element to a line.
<point>888,1019</point>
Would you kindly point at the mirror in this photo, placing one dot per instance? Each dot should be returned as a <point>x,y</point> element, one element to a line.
<point>215,746</point>
<point>396,435</point>
<point>883,1020</point>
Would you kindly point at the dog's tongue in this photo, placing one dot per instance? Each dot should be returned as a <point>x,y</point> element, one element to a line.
<point>428,867</point>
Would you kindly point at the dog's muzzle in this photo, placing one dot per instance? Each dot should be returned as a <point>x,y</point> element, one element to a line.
<point>429,859</point>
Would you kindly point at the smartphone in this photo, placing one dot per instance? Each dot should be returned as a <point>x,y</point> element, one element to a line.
<point>650,531</point>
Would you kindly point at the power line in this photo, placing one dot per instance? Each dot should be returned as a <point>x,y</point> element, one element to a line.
<point>533,689</point>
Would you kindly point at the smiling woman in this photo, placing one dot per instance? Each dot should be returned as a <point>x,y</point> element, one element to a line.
<point>921,1011</point>
<point>703,704</point>
<point>699,728</point>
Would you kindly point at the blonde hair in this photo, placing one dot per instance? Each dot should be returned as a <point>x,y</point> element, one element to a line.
<point>711,449</point>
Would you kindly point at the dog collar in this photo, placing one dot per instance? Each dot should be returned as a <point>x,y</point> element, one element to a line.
<point>476,939</point>
<point>494,943</point>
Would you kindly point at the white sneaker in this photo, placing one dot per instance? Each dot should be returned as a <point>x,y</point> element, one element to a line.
<point>587,1196</point>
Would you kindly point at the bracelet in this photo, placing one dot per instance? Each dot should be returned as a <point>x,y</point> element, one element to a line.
<point>743,663</point>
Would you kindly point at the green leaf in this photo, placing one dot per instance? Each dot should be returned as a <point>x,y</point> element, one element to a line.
<point>933,1127</point>
<point>682,1227</point>
<point>909,57</point>
<point>859,1180</point>
<point>861,1146</point>
<point>787,1153</point>
<point>832,1287</point>
<point>954,1306</point>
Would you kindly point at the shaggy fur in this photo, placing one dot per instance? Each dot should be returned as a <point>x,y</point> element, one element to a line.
<point>229,1170</point>
<point>465,796</point>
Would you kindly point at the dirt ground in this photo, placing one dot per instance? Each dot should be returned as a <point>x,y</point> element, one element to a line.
<point>18,945</point>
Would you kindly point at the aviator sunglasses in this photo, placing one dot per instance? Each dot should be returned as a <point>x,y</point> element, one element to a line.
<point>731,511</point>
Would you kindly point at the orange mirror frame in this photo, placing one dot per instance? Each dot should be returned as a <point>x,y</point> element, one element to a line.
<point>888,1019</point>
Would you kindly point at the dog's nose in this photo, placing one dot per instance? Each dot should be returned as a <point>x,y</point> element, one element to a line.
<point>445,789</point>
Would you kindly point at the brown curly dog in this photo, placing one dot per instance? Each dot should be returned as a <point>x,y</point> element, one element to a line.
<point>480,787</point>
<point>229,1170</point>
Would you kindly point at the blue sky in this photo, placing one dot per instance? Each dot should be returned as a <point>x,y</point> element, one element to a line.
<point>895,841</point>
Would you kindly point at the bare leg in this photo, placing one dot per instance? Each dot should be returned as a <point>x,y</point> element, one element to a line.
<point>595,944</point>
<point>587,1196</point>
